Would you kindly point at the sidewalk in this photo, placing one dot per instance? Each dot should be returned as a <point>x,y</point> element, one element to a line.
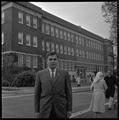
<point>30,90</point>
<point>108,114</point>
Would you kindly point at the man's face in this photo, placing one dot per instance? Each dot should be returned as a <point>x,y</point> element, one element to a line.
<point>52,61</point>
<point>109,73</point>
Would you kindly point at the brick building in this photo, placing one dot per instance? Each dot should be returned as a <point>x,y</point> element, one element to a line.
<point>28,33</point>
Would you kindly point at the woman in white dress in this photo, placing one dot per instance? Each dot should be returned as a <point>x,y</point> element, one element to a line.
<point>98,97</point>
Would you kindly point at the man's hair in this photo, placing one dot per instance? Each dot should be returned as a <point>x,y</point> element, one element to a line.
<point>51,54</point>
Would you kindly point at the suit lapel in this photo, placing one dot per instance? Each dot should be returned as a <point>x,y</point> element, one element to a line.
<point>56,76</point>
<point>49,77</point>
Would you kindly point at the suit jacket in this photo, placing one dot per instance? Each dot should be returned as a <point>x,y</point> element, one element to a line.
<point>57,93</point>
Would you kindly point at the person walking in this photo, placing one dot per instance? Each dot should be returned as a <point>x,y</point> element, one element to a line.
<point>111,83</point>
<point>73,78</point>
<point>98,87</point>
<point>53,92</point>
<point>78,79</point>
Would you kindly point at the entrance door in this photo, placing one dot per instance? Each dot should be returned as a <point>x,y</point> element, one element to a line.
<point>81,71</point>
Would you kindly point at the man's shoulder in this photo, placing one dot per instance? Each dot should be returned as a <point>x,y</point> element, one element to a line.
<point>63,71</point>
<point>41,71</point>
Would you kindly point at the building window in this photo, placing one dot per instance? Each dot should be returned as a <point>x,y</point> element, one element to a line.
<point>43,45</point>
<point>65,36</point>
<point>3,17</point>
<point>82,40</point>
<point>47,29</point>
<point>35,25</point>
<point>47,46</point>
<point>35,42</point>
<point>57,32</point>
<point>20,38</point>
<point>28,61</point>
<point>35,61</point>
<point>65,50</point>
<point>61,49</point>
<point>68,36</point>
<point>57,48</point>
<point>28,40</point>
<point>61,34</point>
<point>72,37</point>
<point>43,28</point>
<point>3,38</point>
<point>20,59</point>
<point>52,31</point>
<point>77,52</point>
<point>76,40</point>
<point>52,47</point>
<point>68,50</point>
<point>72,51</point>
<point>28,22</point>
<point>20,17</point>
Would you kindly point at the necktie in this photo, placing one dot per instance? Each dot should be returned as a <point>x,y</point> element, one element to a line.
<point>53,75</point>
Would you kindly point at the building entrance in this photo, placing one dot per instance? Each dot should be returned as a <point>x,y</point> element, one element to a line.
<point>81,71</point>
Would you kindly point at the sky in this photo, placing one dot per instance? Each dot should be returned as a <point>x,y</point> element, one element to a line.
<point>88,15</point>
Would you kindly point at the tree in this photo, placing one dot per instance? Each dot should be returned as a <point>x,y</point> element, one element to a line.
<point>109,10</point>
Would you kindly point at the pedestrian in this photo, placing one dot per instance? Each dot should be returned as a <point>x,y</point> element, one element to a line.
<point>53,93</point>
<point>98,96</point>
<point>78,79</point>
<point>73,78</point>
<point>111,83</point>
<point>92,75</point>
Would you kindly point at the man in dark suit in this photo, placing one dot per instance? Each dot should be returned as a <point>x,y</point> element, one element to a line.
<point>53,93</point>
<point>111,83</point>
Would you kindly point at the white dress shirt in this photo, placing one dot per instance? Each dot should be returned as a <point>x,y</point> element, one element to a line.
<point>54,72</point>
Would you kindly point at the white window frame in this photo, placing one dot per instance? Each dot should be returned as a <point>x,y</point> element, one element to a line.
<point>35,41</point>
<point>20,17</point>
<point>52,47</point>
<point>35,61</point>
<point>20,38</point>
<point>47,46</point>
<point>28,40</point>
<point>68,50</point>
<point>35,23</point>
<point>65,50</point>
<point>47,26</point>
<point>3,17</point>
<point>69,37</point>
<point>28,61</point>
<point>20,59</point>
<point>56,32</point>
<point>52,31</point>
<point>65,35</point>
<point>57,48</point>
<point>3,40</point>
<point>61,34</point>
<point>61,49</point>
<point>43,45</point>
<point>43,27</point>
<point>28,20</point>
<point>72,37</point>
<point>77,39</point>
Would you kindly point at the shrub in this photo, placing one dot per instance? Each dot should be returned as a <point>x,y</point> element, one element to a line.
<point>5,83</point>
<point>24,79</point>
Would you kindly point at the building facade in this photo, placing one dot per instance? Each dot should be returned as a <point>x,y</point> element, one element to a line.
<point>28,33</point>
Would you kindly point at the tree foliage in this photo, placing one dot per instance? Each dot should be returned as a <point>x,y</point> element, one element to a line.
<point>109,10</point>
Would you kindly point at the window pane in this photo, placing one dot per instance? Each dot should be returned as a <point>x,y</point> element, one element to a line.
<point>20,38</point>
<point>20,17</point>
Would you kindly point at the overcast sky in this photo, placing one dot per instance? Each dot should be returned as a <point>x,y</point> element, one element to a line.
<point>85,14</point>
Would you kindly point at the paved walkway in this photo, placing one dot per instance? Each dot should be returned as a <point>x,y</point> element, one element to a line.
<point>86,114</point>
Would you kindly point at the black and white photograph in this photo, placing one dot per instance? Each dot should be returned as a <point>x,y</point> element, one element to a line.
<point>59,59</point>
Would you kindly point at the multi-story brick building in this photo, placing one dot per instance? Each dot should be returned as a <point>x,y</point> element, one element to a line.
<point>28,32</point>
